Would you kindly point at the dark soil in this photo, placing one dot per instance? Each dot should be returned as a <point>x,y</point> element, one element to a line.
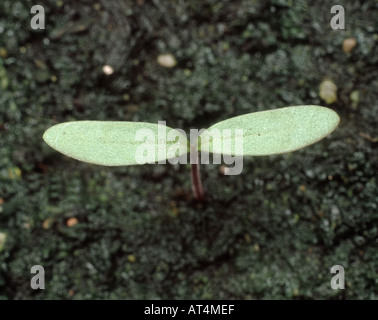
<point>273,232</point>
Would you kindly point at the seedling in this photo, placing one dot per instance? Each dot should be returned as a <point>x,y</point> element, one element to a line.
<point>122,143</point>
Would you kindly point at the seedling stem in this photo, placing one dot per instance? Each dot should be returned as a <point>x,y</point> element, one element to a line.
<point>195,173</point>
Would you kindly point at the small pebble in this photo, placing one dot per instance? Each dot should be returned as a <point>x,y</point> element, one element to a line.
<point>108,70</point>
<point>328,91</point>
<point>166,60</point>
<point>47,223</point>
<point>224,170</point>
<point>349,44</point>
<point>71,222</point>
<point>3,236</point>
<point>3,52</point>
<point>131,258</point>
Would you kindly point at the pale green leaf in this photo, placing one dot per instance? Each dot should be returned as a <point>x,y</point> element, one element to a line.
<point>114,143</point>
<point>270,132</point>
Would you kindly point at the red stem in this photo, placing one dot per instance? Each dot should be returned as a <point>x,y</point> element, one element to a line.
<point>195,174</point>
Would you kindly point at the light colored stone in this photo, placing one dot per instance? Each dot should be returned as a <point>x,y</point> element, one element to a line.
<point>349,44</point>
<point>3,237</point>
<point>328,91</point>
<point>166,60</point>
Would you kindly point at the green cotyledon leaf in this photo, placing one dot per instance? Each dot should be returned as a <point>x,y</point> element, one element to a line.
<point>270,132</point>
<point>116,143</point>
